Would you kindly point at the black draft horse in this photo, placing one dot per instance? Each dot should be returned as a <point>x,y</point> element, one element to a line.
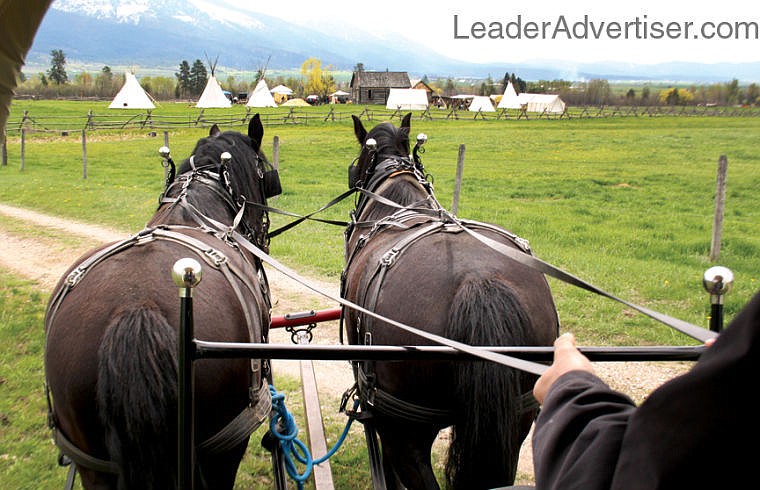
<point>110,355</point>
<point>413,262</point>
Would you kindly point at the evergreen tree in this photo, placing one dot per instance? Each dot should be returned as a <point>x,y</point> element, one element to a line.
<point>183,79</point>
<point>198,77</point>
<point>57,71</point>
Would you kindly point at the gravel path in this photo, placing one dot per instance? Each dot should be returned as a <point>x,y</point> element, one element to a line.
<point>44,259</point>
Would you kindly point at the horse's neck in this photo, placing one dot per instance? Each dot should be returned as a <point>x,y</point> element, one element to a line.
<point>188,212</point>
<point>405,190</point>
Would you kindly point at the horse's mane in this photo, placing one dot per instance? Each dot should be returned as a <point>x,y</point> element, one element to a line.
<point>244,176</point>
<point>391,142</point>
<point>243,169</point>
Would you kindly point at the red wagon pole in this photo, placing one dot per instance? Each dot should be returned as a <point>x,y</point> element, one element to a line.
<point>305,318</point>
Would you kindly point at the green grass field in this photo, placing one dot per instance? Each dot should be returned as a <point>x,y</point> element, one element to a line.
<point>624,203</point>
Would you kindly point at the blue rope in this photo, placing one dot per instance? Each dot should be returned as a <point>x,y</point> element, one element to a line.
<point>292,447</point>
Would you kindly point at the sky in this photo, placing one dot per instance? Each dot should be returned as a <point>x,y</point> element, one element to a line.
<point>641,31</point>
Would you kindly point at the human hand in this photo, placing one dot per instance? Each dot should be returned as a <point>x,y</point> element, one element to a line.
<point>567,358</point>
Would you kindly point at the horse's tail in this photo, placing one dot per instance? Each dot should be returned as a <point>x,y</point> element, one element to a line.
<point>137,387</point>
<point>485,445</point>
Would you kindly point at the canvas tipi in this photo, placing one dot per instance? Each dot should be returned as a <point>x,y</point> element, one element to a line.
<point>544,103</point>
<point>481,103</point>
<point>261,96</point>
<point>131,95</point>
<point>212,95</point>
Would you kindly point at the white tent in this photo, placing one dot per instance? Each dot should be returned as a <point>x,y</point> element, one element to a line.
<point>131,95</point>
<point>213,96</point>
<point>481,103</point>
<point>549,103</point>
<point>281,89</point>
<point>407,98</point>
<point>261,96</point>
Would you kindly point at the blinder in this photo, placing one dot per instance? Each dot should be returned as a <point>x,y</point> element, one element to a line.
<point>354,172</point>
<point>271,183</point>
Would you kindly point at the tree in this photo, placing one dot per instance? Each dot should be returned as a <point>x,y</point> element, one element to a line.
<point>752,94</point>
<point>183,79</point>
<point>449,88</point>
<point>57,71</point>
<point>676,96</point>
<point>104,82</point>
<point>598,91</point>
<point>198,77</point>
<point>316,80</point>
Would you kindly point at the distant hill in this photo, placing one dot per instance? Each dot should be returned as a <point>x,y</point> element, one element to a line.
<point>161,33</point>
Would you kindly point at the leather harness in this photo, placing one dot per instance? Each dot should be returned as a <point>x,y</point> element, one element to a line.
<point>421,222</point>
<point>260,402</point>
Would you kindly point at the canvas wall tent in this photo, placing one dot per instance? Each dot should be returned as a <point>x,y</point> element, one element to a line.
<point>261,96</point>
<point>131,95</point>
<point>281,93</point>
<point>481,103</point>
<point>548,103</point>
<point>410,99</point>
<point>213,96</point>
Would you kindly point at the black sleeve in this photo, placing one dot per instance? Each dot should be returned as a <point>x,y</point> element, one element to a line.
<point>578,433</point>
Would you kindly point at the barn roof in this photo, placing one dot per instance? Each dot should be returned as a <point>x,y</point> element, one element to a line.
<point>396,79</point>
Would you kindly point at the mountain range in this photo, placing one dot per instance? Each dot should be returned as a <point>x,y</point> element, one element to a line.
<point>159,34</point>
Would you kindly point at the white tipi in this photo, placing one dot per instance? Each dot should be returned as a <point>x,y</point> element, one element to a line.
<point>212,95</point>
<point>510,99</point>
<point>261,96</point>
<point>131,95</point>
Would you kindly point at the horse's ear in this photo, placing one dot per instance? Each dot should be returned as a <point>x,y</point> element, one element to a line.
<point>214,131</point>
<point>256,131</point>
<point>359,131</point>
<point>406,122</point>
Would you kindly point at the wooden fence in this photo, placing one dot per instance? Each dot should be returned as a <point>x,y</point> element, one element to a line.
<point>294,115</point>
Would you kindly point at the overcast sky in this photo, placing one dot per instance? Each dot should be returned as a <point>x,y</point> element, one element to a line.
<point>657,31</point>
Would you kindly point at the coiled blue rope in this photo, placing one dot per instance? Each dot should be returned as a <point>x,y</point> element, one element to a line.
<point>292,447</point>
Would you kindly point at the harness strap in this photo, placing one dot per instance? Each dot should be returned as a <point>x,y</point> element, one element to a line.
<point>80,458</point>
<point>249,419</point>
<point>535,263</point>
<point>381,400</point>
<point>387,404</point>
<point>242,426</point>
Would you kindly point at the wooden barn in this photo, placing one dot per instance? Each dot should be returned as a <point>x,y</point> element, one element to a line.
<point>373,87</point>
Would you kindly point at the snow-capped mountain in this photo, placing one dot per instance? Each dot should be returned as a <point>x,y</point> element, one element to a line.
<point>159,34</point>
<point>162,33</point>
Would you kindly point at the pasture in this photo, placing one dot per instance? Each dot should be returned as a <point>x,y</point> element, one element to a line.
<point>624,203</point>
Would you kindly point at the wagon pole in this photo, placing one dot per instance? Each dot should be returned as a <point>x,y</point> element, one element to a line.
<point>186,274</point>
<point>323,478</point>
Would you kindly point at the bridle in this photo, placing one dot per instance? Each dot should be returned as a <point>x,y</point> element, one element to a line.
<point>216,177</point>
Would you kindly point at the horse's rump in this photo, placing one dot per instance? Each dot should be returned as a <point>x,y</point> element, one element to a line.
<point>112,337</point>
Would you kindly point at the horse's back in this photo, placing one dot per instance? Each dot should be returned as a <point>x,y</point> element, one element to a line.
<point>421,277</point>
<point>104,286</point>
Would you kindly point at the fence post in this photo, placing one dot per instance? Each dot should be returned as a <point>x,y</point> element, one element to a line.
<point>4,149</point>
<point>166,139</point>
<point>720,201</point>
<point>84,154</point>
<point>23,148</point>
<point>276,152</point>
<point>458,181</point>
